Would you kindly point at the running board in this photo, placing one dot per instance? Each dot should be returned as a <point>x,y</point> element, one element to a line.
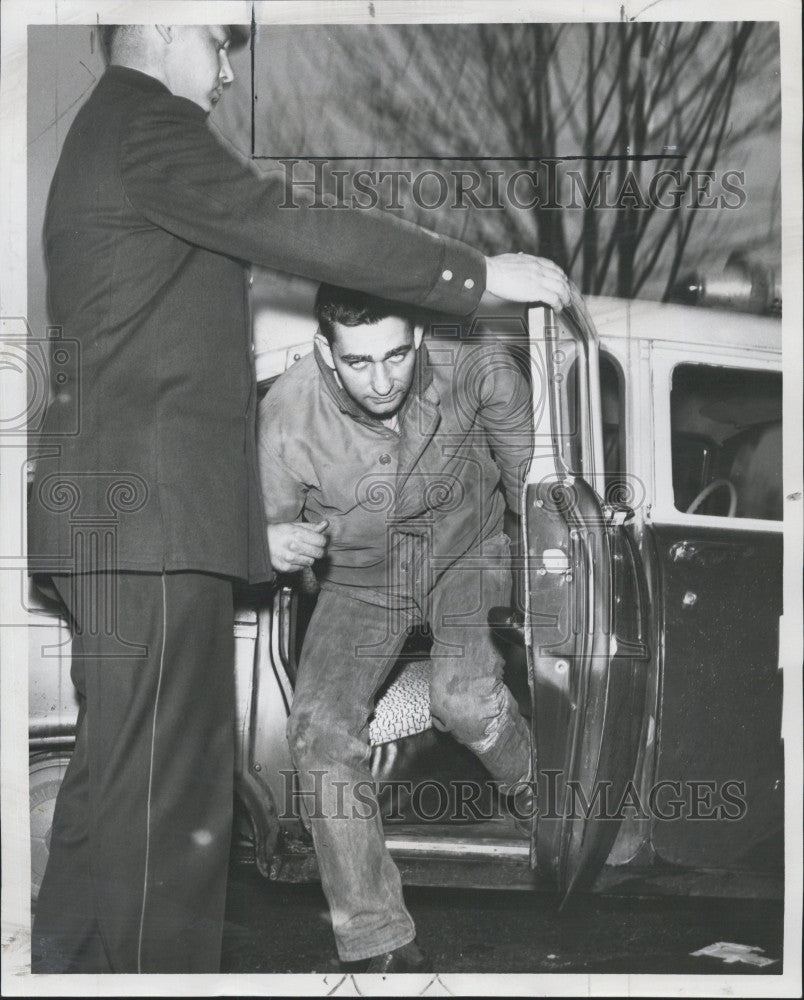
<point>444,871</point>
<point>425,858</point>
<point>457,847</point>
<point>477,859</point>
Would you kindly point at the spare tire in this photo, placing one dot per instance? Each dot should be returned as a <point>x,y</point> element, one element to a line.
<point>45,775</point>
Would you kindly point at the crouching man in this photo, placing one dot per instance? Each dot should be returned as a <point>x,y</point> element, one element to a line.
<point>390,468</point>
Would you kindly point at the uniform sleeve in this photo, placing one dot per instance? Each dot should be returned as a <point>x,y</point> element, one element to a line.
<point>178,175</point>
<point>505,414</point>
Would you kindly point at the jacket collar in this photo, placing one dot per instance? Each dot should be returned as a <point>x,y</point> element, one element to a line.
<point>145,84</point>
<point>134,78</point>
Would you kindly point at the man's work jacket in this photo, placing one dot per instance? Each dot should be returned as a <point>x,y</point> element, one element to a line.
<point>399,503</point>
<point>147,460</point>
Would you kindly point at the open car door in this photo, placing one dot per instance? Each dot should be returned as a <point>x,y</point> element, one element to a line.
<point>586,623</point>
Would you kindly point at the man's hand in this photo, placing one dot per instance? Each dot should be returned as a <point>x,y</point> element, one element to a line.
<point>296,545</point>
<point>519,277</point>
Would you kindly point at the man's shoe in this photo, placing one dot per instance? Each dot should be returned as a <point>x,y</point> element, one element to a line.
<point>408,958</point>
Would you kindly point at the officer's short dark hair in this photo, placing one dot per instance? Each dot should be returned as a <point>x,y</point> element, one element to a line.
<point>110,33</point>
<point>240,35</point>
<point>349,307</point>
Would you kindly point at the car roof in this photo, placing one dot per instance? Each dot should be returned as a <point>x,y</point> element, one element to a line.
<point>646,320</point>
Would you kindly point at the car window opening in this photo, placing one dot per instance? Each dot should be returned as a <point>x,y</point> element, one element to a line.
<point>726,427</point>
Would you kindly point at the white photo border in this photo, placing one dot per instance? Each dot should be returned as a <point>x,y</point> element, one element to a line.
<point>17,15</point>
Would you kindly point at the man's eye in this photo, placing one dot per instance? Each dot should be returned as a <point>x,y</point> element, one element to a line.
<point>357,366</point>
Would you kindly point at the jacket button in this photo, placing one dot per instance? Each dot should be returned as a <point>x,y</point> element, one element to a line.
<point>446,275</point>
<point>385,459</point>
<point>469,283</point>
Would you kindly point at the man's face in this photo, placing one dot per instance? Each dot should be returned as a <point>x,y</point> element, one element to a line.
<point>197,63</point>
<point>375,363</point>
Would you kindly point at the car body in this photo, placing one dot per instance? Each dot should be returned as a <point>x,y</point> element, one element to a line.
<point>642,639</point>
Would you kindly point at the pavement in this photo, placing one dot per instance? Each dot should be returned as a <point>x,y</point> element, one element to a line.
<point>275,927</point>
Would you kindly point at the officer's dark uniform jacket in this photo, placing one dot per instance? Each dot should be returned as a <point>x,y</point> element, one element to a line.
<point>149,221</point>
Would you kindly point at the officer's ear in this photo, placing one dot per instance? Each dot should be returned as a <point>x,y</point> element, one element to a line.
<point>418,333</point>
<point>323,346</point>
<point>166,32</point>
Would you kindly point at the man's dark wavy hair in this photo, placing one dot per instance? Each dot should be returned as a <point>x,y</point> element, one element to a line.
<point>352,308</point>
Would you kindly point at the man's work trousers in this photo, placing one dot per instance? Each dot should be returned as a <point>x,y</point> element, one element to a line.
<point>136,878</point>
<point>349,649</point>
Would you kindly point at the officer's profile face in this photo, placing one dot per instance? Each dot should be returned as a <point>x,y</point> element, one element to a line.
<point>197,62</point>
<point>375,362</point>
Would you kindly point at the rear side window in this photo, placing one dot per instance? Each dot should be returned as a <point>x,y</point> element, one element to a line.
<point>726,426</point>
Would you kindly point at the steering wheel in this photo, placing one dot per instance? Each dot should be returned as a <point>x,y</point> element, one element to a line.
<point>709,489</point>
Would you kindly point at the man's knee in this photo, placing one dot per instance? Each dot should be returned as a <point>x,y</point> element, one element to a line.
<point>314,739</point>
<point>471,710</point>
<point>303,735</point>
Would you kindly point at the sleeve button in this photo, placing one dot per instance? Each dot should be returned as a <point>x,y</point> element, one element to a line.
<point>446,274</point>
<point>469,283</point>
<point>385,459</point>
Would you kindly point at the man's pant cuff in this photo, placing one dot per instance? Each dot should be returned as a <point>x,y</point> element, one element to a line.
<point>363,948</point>
<point>508,757</point>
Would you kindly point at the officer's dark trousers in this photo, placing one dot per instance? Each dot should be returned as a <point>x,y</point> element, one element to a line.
<point>136,878</point>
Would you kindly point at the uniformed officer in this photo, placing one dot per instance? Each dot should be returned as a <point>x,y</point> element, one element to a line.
<point>146,515</point>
